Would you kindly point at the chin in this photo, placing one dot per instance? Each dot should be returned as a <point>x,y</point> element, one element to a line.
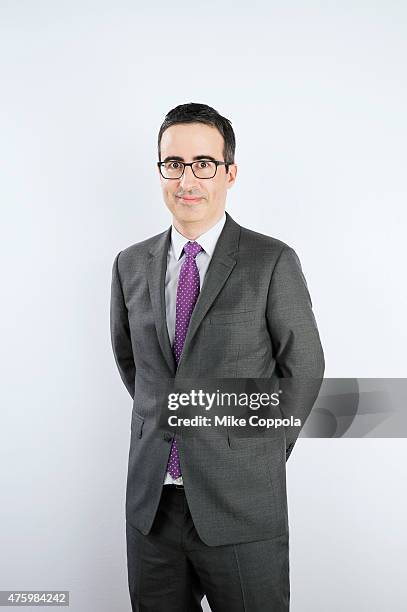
<point>195,212</point>
<point>189,216</point>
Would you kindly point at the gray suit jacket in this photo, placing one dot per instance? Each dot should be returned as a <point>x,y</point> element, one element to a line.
<point>253,318</point>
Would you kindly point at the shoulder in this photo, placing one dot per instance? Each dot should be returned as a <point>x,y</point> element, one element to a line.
<point>252,242</point>
<point>139,251</point>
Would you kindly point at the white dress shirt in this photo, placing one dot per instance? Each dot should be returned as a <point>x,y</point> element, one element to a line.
<point>208,242</point>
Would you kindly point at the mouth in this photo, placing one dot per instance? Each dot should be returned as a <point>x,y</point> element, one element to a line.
<point>190,199</point>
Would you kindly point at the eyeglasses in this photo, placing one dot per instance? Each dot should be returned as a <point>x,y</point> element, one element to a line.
<point>202,169</point>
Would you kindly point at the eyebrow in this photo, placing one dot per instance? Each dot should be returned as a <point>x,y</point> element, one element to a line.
<point>181,159</point>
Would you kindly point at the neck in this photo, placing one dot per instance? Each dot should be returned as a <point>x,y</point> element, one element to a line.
<point>193,230</point>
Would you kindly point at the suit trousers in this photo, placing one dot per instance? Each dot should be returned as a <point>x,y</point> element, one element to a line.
<point>171,568</point>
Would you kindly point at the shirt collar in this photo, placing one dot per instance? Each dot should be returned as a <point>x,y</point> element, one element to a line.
<point>207,240</point>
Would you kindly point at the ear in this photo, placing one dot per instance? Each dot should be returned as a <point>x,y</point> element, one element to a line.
<point>231,176</point>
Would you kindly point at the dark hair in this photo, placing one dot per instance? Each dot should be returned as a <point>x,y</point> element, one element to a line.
<point>201,113</point>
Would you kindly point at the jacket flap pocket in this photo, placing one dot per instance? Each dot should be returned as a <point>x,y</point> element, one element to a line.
<point>255,444</point>
<point>137,422</point>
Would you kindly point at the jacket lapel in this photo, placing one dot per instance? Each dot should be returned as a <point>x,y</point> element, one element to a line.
<point>221,265</point>
<point>157,267</point>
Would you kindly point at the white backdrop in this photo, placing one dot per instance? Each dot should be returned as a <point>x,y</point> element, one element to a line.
<point>317,95</point>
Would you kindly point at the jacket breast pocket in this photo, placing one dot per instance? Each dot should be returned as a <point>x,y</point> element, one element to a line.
<point>232,318</point>
<point>137,422</point>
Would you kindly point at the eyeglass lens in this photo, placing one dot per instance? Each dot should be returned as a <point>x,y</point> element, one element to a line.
<point>201,169</point>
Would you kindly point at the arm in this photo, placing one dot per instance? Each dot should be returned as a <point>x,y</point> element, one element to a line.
<point>296,343</point>
<point>120,331</point>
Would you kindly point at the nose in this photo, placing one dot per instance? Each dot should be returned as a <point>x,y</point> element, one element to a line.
<point>188,179</point>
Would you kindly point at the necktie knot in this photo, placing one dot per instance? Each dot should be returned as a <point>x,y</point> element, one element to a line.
<point>192,248</point>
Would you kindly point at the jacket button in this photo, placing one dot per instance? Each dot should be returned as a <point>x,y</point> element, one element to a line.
<point>167,436</point>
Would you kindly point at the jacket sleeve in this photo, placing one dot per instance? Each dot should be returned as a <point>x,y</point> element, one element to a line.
<point>296,343</point>
<point>120,331</point>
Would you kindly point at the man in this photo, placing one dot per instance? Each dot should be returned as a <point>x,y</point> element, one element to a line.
<point>207,514</point>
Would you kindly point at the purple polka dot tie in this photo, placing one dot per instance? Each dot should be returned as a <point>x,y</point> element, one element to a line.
<point>187,295</point>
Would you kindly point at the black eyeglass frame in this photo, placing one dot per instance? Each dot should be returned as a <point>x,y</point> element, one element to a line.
<point>213,161</point>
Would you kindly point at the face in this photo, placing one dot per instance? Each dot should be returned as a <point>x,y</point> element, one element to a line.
<point>193,202</point>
